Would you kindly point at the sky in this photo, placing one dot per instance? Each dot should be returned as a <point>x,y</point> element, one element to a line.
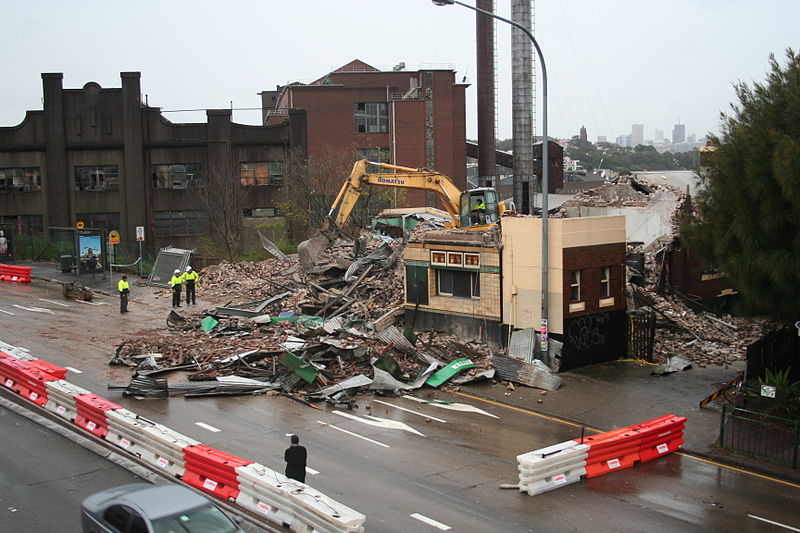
<point>610,64</point>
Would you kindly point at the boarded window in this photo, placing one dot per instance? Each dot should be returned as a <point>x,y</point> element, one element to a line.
<point>417,285</point>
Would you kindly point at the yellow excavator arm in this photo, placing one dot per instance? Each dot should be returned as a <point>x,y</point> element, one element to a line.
<point>403,177</point>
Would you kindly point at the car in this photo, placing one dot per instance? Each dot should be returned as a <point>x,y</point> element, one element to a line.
<point>145,508</point>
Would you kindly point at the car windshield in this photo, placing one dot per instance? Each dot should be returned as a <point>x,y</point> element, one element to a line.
<point>206,519</point>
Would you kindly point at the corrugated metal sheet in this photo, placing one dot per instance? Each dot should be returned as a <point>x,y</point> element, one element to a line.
<point>522,344</point>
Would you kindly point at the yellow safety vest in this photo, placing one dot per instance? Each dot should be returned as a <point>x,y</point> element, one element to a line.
<point>191,276</point>
<point>122,285</point>
<point>176,280</point>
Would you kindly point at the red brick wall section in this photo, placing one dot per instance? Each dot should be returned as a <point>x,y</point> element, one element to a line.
<point>590,260</point>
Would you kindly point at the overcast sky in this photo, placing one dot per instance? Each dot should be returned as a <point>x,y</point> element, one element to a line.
<point>611,64</point>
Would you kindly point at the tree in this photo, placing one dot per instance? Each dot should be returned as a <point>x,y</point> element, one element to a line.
<point>747,221</point>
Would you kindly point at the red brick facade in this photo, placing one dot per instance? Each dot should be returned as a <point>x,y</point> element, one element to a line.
<point>426,117</point>
<point>590,260</point>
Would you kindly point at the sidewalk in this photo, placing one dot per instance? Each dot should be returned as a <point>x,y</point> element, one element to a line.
<point>602,397</point>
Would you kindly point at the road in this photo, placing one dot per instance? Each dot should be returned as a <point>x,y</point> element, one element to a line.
<point>445,476</point>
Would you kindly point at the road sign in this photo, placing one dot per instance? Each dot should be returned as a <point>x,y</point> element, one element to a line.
<point>113,237</point>
<point>79,224</point>
<point>140,233</point>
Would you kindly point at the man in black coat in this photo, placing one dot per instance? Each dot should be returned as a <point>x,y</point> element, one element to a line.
<point>295,457</point>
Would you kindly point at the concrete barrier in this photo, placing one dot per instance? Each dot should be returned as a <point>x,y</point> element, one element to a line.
<point>552,467</point>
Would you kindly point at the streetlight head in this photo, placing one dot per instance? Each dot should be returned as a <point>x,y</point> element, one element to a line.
<point>443,2</point>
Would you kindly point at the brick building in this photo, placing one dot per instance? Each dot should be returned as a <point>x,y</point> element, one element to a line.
<point>101,156</point>
<point>409,118</point>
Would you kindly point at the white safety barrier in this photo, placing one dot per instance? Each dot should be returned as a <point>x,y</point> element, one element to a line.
<point>552,467</point>
<point>153,443</point>
<point>286,501</point>
<point>61,398</point>
<point>13,351</point>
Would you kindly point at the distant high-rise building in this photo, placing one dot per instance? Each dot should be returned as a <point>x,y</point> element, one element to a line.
<point>583,133</point>
<point>678,133</point>
<point>659,135</point>
<point>691,139</point>
<point>602,139</point>
<point>624,140</point>
<point>637,135</point>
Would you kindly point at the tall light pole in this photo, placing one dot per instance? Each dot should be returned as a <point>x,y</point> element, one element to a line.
<point>545,154</point>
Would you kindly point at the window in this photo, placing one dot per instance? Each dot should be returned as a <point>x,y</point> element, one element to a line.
<point>605,282</point>
<point>178,223</point>
<point>377,155</point>
<point>417,285</point>
<point>371,117</point>
<point>117,516</point>
<point>261,173</point>
<point>457,283</point>
<point>100,178</point>
<point>260,212</point>
<point>20,179</point>
<point>178,176</point>
<point>106,221</point>
<point>27,224</point>
<point>575,286</point>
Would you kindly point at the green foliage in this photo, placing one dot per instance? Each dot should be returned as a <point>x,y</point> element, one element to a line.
<point>748,212</point>
<point>624,160</point>
<point>787,394</point>
<point>37,248</point>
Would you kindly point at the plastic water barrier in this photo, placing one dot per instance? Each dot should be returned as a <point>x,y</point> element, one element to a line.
<point>552,467</point>
<point>17,274</point>
<point>288,502</point>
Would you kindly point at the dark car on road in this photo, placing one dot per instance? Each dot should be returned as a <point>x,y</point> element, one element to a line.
<point>143,508</point>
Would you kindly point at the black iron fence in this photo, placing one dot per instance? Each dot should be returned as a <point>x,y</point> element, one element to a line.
<point>759,434</point>
<point>641,335</point>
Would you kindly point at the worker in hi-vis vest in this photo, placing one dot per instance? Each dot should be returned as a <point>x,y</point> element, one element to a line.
<point>123,289</point>
<point>190,278</point>
<point>176,283</point>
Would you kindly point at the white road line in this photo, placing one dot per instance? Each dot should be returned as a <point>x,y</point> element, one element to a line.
<point>790,528</point>
<point>7,312</point>
<point>379,422</point>
<point>430,521</point>
<point>206,426</point>
<point>92,303</point>
<point>54,302</point>
<point>311,471</point>
<point>411,411</point>
<point>35,309</point>
<point>73,370</point>
<point>353,434</point>
<point>453,406</point>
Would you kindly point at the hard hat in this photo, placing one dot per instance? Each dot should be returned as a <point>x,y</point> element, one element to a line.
<point>177,271</point>
<point>188,268</point>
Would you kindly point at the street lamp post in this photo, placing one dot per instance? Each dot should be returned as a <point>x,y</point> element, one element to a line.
<point>545,154</point>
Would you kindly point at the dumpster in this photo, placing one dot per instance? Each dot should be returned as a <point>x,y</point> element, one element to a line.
<point>66,262</point>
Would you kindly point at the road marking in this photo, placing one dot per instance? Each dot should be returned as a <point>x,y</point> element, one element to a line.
<point>92,303</point>
<point>430,521</point>
<point>453,406</point>
<point>411,411</point>
<point>206,426</point>
<point>73,370</point>
<point>7,312</point>
<point>379,422</point>
<point>353,434</point>
<point>311,471</point>
<point>790,528</point>
<point>54,302</point>
<point>35,309</point>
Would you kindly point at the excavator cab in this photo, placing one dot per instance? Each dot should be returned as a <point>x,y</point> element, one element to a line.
<point>478,207</point>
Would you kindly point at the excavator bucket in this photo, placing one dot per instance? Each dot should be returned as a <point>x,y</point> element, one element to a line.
<point>311,249</point>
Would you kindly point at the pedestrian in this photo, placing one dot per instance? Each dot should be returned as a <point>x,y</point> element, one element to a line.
<point>190,277</point>
<point>123,289</point>
<point>295,457</point>
<point>176,283</point>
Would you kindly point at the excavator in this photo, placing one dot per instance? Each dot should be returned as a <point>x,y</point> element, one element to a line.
<point>475,209</point>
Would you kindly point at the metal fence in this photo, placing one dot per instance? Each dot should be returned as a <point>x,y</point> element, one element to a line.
<point>641,335</point>
<point>755,433</point>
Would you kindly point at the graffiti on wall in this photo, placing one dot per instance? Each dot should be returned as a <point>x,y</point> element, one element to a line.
<point>588,331</point>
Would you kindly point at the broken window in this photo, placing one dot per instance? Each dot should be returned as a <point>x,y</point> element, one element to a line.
<point>377,155</point>
<point>458,283</point>
<point>178,176</point>
<point>28,224</point>
<point>178,223</point>
<point>605,282</point>
<point>97,178</point>
<point>260,212</point>
<point>20,179</point>
<point>575,286</point>
<point>371,117</point>
<point>261,173</point>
